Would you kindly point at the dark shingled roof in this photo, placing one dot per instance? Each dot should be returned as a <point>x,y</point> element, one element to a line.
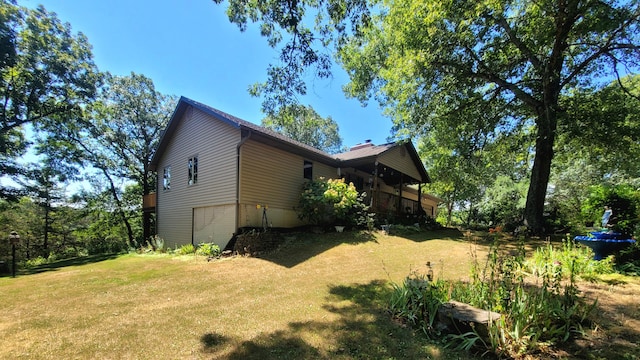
<point>360,155</point>
<point>365,152</point>
<point>249,125</point>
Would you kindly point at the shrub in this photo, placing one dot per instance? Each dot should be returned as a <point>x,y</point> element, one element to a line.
<point>186,249</point>
<point>157,243</point>
<point>573,258</point>
<point>624,200</point>
<point>35,262</point>
<point>332,201</point>
<point>628,260</point>
<point>208,249</point>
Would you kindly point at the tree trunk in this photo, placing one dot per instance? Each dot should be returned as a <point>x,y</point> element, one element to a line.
<point>120,208</point>
<point>449,211</point>
<point>534,210</point>
<point>146,216</point>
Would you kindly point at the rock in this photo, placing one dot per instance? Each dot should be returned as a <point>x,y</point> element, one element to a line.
<point>459,318</point>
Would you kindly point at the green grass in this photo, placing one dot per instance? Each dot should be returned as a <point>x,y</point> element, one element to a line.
<point>317,297</point>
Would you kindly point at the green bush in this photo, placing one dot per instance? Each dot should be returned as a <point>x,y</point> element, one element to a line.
<point>208,249</point>
<point>35,262</point>
<point>333,202</point>
<point>628,260</point>
<point>186,249</point>
<point>624,201</point>
<point>535,315</point>
<point>573,257</point>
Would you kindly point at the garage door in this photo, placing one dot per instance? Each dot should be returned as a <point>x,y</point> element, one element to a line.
<point>214,224</point>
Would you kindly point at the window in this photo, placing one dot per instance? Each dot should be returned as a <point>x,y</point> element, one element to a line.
<point>308,170</point>
<point>193,170</point>
<point>166,178</point>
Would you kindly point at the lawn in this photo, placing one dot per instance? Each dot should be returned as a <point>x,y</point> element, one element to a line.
<point>318,296</point>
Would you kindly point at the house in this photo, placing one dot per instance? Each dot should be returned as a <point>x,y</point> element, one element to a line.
<point>218,174</point>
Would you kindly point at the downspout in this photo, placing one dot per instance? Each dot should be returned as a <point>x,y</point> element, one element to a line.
<point>400,210</point>
<point>420,208</point>
<point>242,141</point>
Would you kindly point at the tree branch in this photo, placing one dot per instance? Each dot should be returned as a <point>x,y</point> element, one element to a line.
<point>513,37</point>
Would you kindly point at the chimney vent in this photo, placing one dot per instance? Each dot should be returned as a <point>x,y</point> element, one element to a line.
<point>367,143</point>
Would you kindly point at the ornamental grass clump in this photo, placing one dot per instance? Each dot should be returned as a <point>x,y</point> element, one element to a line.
<point>416,301</point>
<point>186,249</point>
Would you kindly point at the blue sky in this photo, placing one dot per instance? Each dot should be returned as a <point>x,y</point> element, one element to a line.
<point>189,48</point>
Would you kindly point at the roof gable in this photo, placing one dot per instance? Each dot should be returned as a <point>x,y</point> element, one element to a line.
<point>355,158</point>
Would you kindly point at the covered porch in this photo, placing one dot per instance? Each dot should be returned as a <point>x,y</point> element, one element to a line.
<point>392,176</point>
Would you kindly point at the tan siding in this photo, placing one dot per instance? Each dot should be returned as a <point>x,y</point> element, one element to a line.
<point>251,216</point>
<point>214,142</point>
<point>430,206</point>
<point>269,176</point>
<point>408,194</point>
<point>398,158</point>
<point>273,177</point>
<point>325,171</point>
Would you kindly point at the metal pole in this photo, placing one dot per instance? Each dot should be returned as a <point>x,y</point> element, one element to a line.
<point>13,262</point>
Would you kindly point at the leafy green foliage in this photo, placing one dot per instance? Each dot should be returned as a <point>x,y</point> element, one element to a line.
<point>624,200</point>
<point>548,311</point>
<point>307,28</point>
<point>101,232</point>
<point>571,257</point>
<point>187,249</point>
<point>628,260</point>
<point>304,124</point>
<point>417,300</point>
<point>492,55</point>
<point>208,249</point>
<point>47,76</point>
<point>429,61</point>
<point>503,203</point>
<point>332,201</point>
<point>606,119</point>
<point>119,139</point>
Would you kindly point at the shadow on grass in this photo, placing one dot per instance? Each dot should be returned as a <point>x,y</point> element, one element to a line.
<point>76,261</point>
<point>304,246</point>
<point>440,234</point>
<point>363,330</point>
<point>614,333</point>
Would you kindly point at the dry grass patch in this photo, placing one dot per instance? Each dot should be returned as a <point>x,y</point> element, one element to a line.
<point>318,296</point>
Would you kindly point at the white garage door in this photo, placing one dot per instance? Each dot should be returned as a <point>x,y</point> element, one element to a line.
<point>214,224</point>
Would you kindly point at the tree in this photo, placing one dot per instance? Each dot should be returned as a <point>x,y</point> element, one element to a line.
<point>414,56</point>
<point>607,121</point>
<point>304,124</point>
<point>131,115</point>
<point>119,137</point>
<point>47,75</point>
<point>45,192</point>
<point>465,153</point>
<point>598,144</point>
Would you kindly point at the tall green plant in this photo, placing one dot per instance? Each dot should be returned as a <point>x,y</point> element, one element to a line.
<point>332,201</point>
<point>535,314</point>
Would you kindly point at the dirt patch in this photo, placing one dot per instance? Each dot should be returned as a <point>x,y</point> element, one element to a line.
<point>257,242</point>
